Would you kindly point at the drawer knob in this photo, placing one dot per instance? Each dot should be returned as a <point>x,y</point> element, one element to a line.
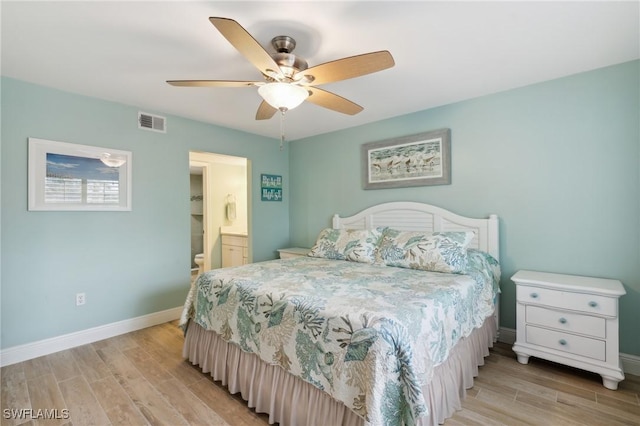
<point>563,320</point>
<point>534,295</point>
<point>562,342</point>
<point>593,304</point>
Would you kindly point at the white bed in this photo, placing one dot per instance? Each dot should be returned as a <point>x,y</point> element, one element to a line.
<point>288,398</point>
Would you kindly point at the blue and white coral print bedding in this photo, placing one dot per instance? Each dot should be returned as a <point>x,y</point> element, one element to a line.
<point>369,335</point>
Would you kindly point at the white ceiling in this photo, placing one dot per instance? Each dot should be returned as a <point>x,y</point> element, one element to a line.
<point>444,52</point>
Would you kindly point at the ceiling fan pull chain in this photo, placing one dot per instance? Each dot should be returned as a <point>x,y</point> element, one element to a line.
<point>282,111</point>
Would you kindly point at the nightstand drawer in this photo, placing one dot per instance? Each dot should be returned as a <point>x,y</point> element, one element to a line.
<point>577,345</point>
<point>588,303</point>
<point>287,253</point>
<point>567,321</point>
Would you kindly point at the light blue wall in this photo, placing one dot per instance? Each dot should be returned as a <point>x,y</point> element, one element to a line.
<point>558,162</point>
<point>128,263</point>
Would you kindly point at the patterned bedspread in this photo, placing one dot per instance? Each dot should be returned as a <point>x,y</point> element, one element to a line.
<point>368,335</point>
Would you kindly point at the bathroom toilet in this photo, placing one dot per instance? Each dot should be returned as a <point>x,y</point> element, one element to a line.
<point>199,259</point>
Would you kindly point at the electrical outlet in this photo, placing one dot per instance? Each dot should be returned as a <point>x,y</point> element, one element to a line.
<point>80,299</point>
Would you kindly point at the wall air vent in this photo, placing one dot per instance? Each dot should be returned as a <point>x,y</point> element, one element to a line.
<point>152,122</point>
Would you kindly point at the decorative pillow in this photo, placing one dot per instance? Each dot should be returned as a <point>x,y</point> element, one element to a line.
<point>485,264</point>
<point>436,252</point>
<point>356,245</point>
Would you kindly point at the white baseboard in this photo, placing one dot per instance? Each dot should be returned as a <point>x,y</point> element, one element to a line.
<point>32,350</point>
<point>507,335</point>
<point>630,363</point>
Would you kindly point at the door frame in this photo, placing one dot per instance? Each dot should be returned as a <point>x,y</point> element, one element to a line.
<point>206,226</point>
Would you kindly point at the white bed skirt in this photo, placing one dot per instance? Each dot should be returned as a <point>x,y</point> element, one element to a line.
<point>291,401</point>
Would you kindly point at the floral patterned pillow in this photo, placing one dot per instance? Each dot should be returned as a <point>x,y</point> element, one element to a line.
<point>356,245</point>
<point>436,252</point>
<point>486,265</point>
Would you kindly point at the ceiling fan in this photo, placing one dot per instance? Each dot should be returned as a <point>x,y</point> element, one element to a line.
<point>288,81</point>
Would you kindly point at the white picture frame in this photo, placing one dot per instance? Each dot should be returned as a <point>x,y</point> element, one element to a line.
<point>65,177</point>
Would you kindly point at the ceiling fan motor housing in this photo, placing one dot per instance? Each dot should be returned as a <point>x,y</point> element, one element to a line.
<point>283,43</point>
<point>287,61</point>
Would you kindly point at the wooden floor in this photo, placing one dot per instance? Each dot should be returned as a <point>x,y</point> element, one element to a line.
<point>141,378</point>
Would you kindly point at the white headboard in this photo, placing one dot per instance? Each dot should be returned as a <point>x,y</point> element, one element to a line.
<point>412,216</point>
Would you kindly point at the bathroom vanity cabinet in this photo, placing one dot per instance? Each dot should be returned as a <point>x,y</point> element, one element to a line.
<point>235,250</point>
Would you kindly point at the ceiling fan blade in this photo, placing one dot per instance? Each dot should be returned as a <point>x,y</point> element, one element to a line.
<point>332,101</point>
<point>265,111</point>
<point>247,45</point>
<point>345,68</point>
<point>211,83</point>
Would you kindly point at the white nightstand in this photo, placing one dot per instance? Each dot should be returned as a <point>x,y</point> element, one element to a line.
<point>571,320</point>
<point>286,253</point>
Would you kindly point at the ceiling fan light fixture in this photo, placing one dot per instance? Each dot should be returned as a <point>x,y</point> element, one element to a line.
<point>283,96</point>
<point>110,161</point>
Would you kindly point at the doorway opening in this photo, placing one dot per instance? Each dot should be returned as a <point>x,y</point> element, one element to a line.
<point>220,205</point>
